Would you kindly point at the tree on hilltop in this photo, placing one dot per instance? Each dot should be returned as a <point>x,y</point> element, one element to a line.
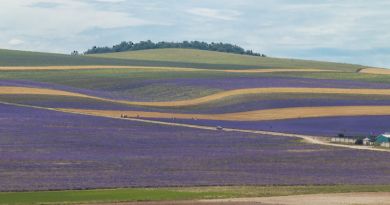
<point>144,45</point>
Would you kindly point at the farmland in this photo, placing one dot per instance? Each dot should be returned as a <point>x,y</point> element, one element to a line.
<point>62,125</point>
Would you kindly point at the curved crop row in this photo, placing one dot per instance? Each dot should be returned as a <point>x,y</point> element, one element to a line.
<point>156,68</point>
<point>201,100</point>
<point>256,115</point>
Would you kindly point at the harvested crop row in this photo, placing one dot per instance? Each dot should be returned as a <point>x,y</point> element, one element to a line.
<point>257,115</point>
<point>151,68</point>
<point>9,90</point>
<point>201,100</point>
<point>375,71</point>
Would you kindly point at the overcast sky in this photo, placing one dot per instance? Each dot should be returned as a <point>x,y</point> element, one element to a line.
<point>354,31</point>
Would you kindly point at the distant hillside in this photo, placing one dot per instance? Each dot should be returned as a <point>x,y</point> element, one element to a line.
<point>145,45</point>
<point>189,58</point>
<point>211,57</point>
<point>27,58</point>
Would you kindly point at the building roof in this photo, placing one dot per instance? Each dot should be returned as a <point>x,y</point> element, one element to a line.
<point>382,138</point>
<point>386,134</point>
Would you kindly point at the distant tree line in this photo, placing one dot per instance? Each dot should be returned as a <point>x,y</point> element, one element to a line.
<point>143,45</point>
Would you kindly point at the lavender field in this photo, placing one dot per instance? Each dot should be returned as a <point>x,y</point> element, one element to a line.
<point>321,126</point>
<point>191,102</point>
<point>52,150</point>
<point>42,150</point>
<point>141,88</point>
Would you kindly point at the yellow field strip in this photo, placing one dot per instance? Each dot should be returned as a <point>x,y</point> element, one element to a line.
<point>155,68</point>
<point>256,115</point>
<point>276,70</point>
<point>375,71</point>
<point>319,140</point>
<point>10,90</point>
<point>201,100</point>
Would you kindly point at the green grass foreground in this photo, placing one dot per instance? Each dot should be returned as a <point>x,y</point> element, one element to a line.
<point>173,194</point>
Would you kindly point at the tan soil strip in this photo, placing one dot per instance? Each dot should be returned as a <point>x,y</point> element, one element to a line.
<point>10,90</point>
<point>179,203</point>
<point>308,138</point>
<point>318,199</point>
<point>278,70</point>
<point>256,115</point>
<point>201,100</point>
<point>189,202</point>
<point>375,71</point>
<point>366,198</point>
<point>155,68</point>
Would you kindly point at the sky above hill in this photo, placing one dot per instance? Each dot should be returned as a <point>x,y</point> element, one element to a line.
<point>353,31</point>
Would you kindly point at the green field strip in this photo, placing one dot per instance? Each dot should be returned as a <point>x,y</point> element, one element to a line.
<point>174,194</point>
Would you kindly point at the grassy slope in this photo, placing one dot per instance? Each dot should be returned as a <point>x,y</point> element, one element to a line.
<point>26,58</point>
<point>165,57</point>
<point>211,57</point>
<point>172,194</point>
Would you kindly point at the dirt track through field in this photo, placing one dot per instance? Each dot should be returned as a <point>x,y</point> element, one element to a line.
<point>355,198</point>
<point>155,68</point>
<point>206,99</point>
<point>256,115</point>
<point>307,138</point>
<point>366,198</point>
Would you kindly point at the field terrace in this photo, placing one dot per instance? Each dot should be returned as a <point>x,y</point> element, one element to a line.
<point>41,150</point>
<point>125,90</point>
<point>52,150</point>
<point>139,85</point>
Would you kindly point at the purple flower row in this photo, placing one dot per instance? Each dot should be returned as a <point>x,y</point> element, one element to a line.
<point>323,126</point>
<point>42,149</point>
<point>121,91</point>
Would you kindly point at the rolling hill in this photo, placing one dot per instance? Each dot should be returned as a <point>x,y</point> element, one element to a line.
<point>27,58</point>
<point>212,57</point>
<point>190,58</point>
<point>199,117</point>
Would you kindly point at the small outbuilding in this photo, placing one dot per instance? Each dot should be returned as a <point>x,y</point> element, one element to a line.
<point>346,140</point>
<point>368,141</point>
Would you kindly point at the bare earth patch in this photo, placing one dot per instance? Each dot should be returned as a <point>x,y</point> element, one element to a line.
<point>256,115</point>
<point>319,199</point>
<point>184,203</point>
<point>155,68</point>
<point>375,71</point>
<point>368,198</point>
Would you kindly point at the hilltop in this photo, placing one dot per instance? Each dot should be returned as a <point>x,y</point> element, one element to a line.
<point>212,57</point>
<point>168,57</point>
<point>146,45</point>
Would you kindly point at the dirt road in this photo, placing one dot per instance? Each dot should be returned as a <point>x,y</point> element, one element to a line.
<point>366,198</point>
<point>307,138</point>
<point>317,199</point>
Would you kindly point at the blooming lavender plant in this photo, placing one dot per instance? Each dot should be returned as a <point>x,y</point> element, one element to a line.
<point>42,150</point>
